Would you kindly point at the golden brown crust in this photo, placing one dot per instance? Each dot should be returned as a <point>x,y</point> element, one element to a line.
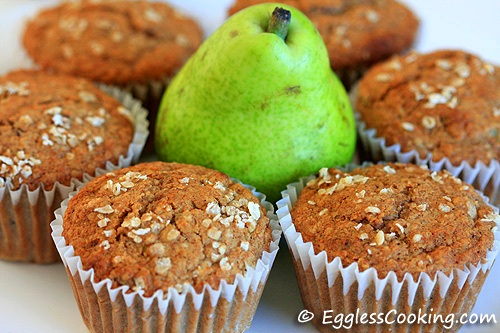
<point>395,217</point>
<point>55,127</point>
<point>357,33</point>
<point>115,42</point>
<point>446,103</point>
<point>159,225</point>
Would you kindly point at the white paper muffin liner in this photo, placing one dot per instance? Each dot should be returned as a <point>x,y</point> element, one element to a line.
<point>230,308</point>
<point>25,215</point>
<point>329,286</point>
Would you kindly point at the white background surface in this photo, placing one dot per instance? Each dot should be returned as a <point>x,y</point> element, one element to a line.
<point>39,299</point>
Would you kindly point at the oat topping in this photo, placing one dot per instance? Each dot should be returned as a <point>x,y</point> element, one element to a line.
<point>105,244</point>
<point>245,245</point>
<point>444,96</point>
<point>87,97</point>
<point>444,64</point>
<point>254,210</point>
<point>74,25</point>
<point>214,233</point>
<point>379,237</point>
<point>372,16</point>
<point>163,265</point>
<point>361,194</point>
<point>174,234</point>
<point>225,264</point>
<point>496,111</point>
<point>388,169</point>
<point>429,122</point>
<point>103,222</point>
<point>401,229</point>
<point>421,207</point>
<point>444,208</point>
<point>386,191</point>
<point>394,64</point>
<point>152,15</point>
<point>372,210</point>
<point>384,77</point>
<point>16,166</point>
<point>408,126</point>
<point>104,210</point>
<point>343,183</point>
<point>437,177</point>
<point>11,88</point>
<point>463,70</point>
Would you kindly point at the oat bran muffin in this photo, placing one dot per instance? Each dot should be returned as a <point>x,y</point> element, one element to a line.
<point>136,45</point>
<point>54,129</point>
<point>168,228</point>
<point>357,33</point>
<point>398,234</point>
<point>440,108</point>
<point>114,42</point>
<point>445,103</point>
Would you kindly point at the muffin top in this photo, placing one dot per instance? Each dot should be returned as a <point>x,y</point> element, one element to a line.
<point>356,33</point>
<point>395,217</point>
<point>115,42</point>
<point>445,103</point>
<point>56,127</point>
<point>158,225</point>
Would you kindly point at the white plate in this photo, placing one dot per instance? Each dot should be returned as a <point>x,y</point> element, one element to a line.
<point>39,299</point>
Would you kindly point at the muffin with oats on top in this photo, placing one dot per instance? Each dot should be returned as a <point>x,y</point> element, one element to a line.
<point>189,246</point>
<point>135,45</point>
<point>389,237</point>
<point>440,108</point>
<point>54,131</point>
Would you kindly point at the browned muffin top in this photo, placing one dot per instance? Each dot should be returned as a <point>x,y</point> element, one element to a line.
<point>158,225</point>
<point>57,127</point>
<point>446,103</point>
<point>356,33</point>
<point>395,217</point>
<point>115,42</point>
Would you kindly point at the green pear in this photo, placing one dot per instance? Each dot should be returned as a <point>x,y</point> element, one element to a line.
<point>258,101</point>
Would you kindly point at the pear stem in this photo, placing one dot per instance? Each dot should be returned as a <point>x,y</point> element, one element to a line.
<point>279,22</point>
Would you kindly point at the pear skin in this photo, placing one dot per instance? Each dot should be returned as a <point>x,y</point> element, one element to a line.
<point>263,109</point>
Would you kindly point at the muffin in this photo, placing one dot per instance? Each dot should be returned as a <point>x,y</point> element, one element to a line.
<point>357,33</point>
<point>54,131</point>
<point>389,237</point>
<point>166,247</point>
<point>135,45</point>
<point>440,108</point>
